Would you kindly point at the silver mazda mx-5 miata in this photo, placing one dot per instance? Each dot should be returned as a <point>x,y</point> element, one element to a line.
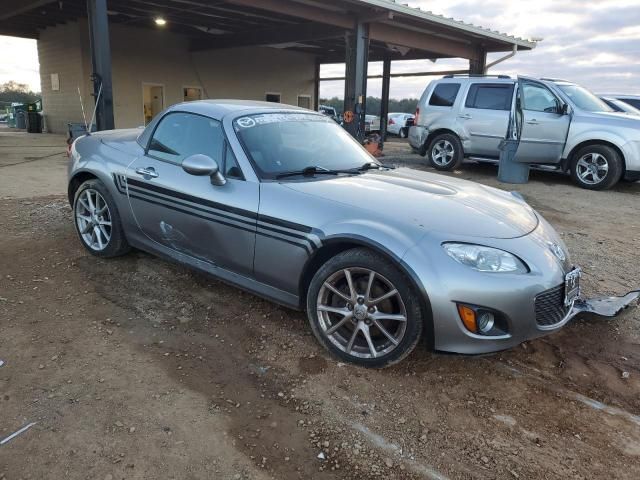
<point>284,203</point>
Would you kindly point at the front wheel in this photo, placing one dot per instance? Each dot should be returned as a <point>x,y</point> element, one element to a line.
<point>596,167</point>
<point>445,152</point>
<point>97,220</point>
<point>364,310</point>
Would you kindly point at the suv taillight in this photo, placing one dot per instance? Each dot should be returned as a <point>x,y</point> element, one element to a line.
<point>417,116</point>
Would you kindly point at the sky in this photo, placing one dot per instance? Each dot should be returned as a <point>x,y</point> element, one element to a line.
<point>592,42</point>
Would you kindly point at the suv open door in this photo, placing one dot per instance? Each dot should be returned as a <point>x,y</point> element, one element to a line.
<point>542,123</point>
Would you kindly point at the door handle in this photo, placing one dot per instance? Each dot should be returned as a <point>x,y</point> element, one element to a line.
<point>533,122</point>
<point>147,172</point>
<point>466,116</point>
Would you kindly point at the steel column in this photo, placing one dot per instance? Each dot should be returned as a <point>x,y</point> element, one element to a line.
<point>384,106</point>
<point>478,65</point>
<point>101,62</point>
<point>316,86</point>
<point>355,87</point>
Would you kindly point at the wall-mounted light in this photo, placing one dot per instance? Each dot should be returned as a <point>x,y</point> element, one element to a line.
<point>161,22</point>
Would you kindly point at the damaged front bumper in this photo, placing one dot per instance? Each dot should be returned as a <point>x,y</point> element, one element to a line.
<point>605,306</point>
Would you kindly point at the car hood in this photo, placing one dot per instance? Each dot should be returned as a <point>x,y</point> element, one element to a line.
<point>434,202</point>
<point>623,119</point>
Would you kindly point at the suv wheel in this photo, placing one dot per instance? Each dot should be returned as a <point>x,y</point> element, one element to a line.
<point>596,167</point>
<point>445,152</point>
<point>364,310</point>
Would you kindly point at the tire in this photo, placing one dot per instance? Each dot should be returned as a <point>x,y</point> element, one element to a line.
<point>110,241</point>
<point>587,167</point>
<point>360,262</point>
<point>449,147</point>
<point>404,132</point>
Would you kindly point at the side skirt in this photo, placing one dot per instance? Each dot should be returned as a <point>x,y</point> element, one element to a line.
<point>250,285</point>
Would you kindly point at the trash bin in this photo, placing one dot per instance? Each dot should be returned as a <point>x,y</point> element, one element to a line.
<point>34,122</point>
<point>21,119</point>
<point>511,171</point>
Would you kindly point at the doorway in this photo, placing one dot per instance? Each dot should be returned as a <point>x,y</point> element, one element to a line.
<point>152,100</point>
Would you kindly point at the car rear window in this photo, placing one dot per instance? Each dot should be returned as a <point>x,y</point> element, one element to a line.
<point>444,95</point>
<point>490,96</point>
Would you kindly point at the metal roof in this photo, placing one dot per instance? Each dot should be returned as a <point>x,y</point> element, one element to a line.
<point>449,22</point>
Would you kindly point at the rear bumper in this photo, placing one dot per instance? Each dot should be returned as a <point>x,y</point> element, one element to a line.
<point>417,138</point>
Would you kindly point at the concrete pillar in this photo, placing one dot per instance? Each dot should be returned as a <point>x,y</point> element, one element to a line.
<point>101,62</point>
<point>384,106</point>
<point>355,87</point>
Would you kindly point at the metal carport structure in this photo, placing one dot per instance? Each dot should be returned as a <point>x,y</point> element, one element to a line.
<point>334,31</point>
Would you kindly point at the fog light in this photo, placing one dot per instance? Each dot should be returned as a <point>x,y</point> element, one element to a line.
<point>486,320</point>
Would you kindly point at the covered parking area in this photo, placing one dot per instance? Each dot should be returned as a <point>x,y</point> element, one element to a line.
<point>354,32</point>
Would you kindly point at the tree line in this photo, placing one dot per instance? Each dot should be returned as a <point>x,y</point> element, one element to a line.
<point>16,92</point>
<point>405,105</point>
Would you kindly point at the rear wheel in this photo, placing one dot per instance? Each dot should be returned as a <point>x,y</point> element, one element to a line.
<point>97,220</point>
<point>445,152</point>
<point>596,167</point>
<point>404,132</point>
<point>364,310</point>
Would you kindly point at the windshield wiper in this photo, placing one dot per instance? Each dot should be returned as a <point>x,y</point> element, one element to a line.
<point>309,171</point>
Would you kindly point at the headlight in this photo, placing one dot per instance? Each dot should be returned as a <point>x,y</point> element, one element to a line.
<point>485,259</point>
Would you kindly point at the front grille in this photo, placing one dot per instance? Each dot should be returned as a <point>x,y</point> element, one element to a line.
<point>550,308</point>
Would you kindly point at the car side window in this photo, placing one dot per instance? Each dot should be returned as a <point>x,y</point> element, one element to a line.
<point>231,166</point>
<point>537,98</point>
<point>444,95</point>
<point>490,96</point>
<point>180,135</point>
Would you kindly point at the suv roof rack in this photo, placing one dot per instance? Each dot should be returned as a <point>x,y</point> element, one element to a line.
<point>454,75</point>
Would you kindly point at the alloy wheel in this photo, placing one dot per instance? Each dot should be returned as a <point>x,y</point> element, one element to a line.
<point>361,313</point>
<point>592,168</point>
<point>93,219</point>
<point>443,152</point>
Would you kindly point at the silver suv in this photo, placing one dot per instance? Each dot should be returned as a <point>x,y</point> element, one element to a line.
<point>561,126</point>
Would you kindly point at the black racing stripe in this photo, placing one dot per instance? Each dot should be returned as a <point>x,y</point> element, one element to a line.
<point>284,223</point>
<point>193,214</point>
<point>170,200</point>
<point>142,186</point>
<point>284,232</point>
<point>305,247</point>
<point>191,198</point>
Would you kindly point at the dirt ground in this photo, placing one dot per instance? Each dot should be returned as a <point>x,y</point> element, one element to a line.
<point>136,368</point>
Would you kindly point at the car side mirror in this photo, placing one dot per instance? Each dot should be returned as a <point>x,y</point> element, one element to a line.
<point>203,165</point>
<point>564,109</point>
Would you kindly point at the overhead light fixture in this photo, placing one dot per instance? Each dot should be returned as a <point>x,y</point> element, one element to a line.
<point>161,22</point>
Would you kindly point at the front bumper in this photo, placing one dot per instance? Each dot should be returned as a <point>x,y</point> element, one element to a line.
<point>447,283</point>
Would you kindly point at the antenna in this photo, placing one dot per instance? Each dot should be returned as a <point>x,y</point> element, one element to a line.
<point>82,107</point>
<point>93,116</point>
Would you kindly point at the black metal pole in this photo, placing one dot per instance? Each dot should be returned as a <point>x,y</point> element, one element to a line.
<point>316,86</point>
<point>478,64</point>
<point>384,106</point>
<point>101,62</point>
<point>355,91</point>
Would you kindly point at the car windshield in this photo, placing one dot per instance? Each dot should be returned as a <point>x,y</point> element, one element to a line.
<point>584,99</point>
<point>279,143</point>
